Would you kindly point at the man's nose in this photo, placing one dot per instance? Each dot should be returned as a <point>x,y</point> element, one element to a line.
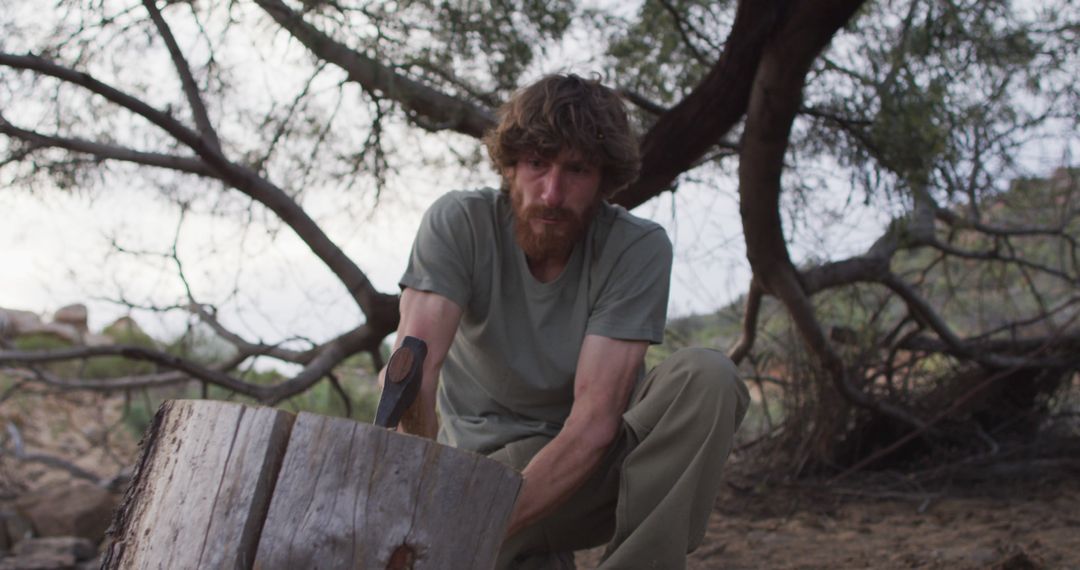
<point>553,192</point>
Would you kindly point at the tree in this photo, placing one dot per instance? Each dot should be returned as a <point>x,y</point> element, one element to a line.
<point>922,103</point>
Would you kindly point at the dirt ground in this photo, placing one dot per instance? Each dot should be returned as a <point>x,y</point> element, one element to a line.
<point>1031,523</point>
<point>867,521</point>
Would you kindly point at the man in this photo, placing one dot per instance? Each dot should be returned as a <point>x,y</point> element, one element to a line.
<point>538,302</point>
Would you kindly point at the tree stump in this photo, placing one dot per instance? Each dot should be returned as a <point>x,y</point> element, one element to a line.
<point>222,485</point>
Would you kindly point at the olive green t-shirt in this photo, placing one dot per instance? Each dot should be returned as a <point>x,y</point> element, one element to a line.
<point>509,373</point>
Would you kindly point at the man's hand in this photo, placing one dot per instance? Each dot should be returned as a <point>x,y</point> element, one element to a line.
<point>603,382</point>
<point>434,319</point>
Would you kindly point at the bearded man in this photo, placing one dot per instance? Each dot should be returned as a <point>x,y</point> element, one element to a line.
<point>538,302</point>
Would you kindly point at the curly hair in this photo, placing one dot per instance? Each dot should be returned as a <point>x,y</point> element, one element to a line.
<point>567,112</point>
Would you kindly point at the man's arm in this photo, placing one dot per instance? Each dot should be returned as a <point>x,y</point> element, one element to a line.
<point>433,319</point>
<point>603,382</point>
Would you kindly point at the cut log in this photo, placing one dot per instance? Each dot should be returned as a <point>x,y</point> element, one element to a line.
<point>226,486</point>
<point>352,495</point>
<point>201,488</point>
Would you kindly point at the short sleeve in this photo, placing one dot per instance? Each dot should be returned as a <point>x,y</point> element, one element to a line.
<point>633,302</point>
<point>441,260</point>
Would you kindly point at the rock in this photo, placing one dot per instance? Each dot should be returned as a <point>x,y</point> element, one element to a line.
<point>13,528</point>
<point>74,315</point>
<point>79,548</point>
<point>78,509</point>
<point>126,331</point>
<point>39,562</point>
<point>15,323</point>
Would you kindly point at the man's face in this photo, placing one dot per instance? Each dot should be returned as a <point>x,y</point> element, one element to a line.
<point>554,199</point>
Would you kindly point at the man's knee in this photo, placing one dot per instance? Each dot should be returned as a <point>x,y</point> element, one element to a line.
<point>710,375</point>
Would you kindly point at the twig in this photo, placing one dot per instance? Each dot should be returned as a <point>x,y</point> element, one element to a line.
<point>340,392</point>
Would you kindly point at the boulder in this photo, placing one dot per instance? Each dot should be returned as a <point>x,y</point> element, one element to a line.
<point>15,323</point>
<point>13,528</point>
<point>73,315</point>
<point>78,508</point>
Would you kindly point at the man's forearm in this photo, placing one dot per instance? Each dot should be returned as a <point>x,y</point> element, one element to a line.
<point>559,469</point>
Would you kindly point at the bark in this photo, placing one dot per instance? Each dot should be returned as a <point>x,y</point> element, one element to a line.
<point>775,101</point>
<point>749,324</point>
<point>688,131</point>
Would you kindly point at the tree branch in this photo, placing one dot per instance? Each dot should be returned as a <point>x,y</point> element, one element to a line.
<point>191,91</point>
<point>118,383</point>
<point>362,338</point>
<point>437,110</point>
<point>928,316</point>
<point>379,308</point>
<point>107,151</point>
<point>642,102</point>
<point>681,27</point>
<point>247,347</point>
<point>685,133</point>
<point>774,103</point>
<point>749,324</point>
<point>132,353</point>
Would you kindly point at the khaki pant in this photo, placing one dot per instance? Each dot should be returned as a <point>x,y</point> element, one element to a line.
<point>651,497</point>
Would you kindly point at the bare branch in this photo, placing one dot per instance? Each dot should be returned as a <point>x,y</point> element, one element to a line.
<point>191,91</point>
<point>689,130</point>
<point>435,109</point>
<point>377,307</point>
<point>957,221</point>
<point>133,353</point>
<point>336,385</point>
<point>928,316</point>
<point>1022,351</point>
<point>682,27</point>
<point>643,102</point>
<point>749,325</point>
<point>245,346</point>
<point>107,151</point>
<point>362,338</point>
<point>994,255</point>
<point>163,120</point>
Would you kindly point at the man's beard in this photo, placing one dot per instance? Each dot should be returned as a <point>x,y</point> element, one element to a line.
<point>553,240</point>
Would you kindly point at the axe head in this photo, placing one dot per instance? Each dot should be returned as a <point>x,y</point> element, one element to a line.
<point>401,383</point>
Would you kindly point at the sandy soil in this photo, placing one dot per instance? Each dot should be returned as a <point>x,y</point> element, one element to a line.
<point>1013,525</point>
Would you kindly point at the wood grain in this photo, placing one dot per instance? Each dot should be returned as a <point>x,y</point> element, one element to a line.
<point>351,495</point>
<point>203,487</point>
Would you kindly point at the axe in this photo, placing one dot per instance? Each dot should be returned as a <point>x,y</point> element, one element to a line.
<point>402,381</point>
